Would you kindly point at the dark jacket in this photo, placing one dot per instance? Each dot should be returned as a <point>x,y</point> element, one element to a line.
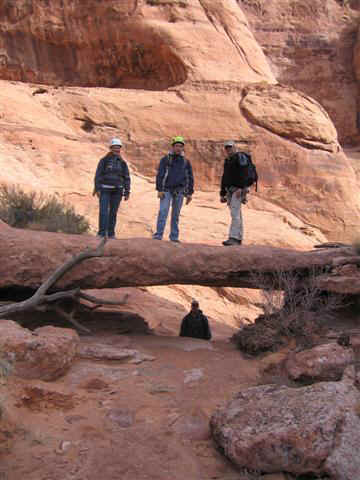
<point>112,170</point>
<point>175,174</point>
<point>235,172</point>
<point>196,326</point>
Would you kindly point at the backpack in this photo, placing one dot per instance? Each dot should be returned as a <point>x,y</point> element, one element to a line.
<point>251,173</point>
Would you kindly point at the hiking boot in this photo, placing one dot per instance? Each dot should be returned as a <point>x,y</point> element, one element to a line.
<point>231,241</point>
<point>111,237</point>
<point>176,241</point>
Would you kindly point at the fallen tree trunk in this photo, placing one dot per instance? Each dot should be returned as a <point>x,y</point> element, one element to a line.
<point>29,257</point>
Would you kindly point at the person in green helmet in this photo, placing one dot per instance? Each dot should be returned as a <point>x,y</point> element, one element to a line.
<point>174,182</point>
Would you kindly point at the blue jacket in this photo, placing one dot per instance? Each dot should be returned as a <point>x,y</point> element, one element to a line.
<point>175,173</point>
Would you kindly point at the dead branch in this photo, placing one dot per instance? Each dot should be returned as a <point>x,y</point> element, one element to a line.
<point>340,261</point>
<point>60,271</point>
<point>70,318</point>
<point>41,299</point>
<point>288,293</point>
<point>332,245</point>
<point>102,301</point>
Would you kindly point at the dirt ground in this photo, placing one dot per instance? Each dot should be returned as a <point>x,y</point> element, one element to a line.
<point>142,419</point>
<point>116,420</point>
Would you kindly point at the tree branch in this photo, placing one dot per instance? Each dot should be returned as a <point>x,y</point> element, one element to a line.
<point>65,267</point>
<point>70,318</point>
<point>39,298</point>
<point>102,301</point>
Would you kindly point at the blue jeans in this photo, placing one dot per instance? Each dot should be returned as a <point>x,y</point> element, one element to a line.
<point>176,202</point>
<point>109,204</point>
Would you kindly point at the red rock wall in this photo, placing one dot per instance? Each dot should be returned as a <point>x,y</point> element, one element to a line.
<point>310,46</point>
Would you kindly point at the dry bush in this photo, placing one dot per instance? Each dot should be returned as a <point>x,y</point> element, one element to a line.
<point>293,306</point>
<point>37,211</point>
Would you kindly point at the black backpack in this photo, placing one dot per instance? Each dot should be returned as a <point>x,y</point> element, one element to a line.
<point>251,173</point>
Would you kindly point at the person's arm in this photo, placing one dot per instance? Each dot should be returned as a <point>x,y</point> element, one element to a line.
<point>160,174</point>
<point>207,331</point>
<point>190,175</point>
<point>127,181</point>
<point>99,172</point>
<point>222,188</point>
<point>183,328</point>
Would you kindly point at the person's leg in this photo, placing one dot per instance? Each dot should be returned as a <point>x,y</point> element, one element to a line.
<point>103,212</point>
<point>236,226</point>
<point>115,199</point>
<point>162,216</point>
<point>177,201</point>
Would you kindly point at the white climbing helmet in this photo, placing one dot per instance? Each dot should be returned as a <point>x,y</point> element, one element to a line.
<point>229,143</point>
<point>115,142</point>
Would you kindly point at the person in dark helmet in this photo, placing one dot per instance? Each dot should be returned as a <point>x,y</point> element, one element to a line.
<point>174,182</point>
<point>195,324</point>
<point>234,183</point>
<point>112,183</point>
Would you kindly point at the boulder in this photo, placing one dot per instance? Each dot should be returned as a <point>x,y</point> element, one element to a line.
<point>274,428</point>
<point>45,354</point>
<point>324,362</point>
<point>290,114</point>
<point>105,352</point>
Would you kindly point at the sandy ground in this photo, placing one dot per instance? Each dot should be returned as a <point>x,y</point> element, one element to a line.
<point>114,420</point>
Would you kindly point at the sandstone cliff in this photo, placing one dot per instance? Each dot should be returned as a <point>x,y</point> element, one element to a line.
<point>311,45</point>
<point>189,67</point>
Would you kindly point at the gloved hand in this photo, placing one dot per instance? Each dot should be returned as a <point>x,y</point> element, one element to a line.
<point>188,199</point>
<point>95,192</point>
<point>126,197</point>
<point>223,199</point>
<point>161,195</point>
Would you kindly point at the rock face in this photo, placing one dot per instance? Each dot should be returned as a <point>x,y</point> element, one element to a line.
<point>192,68</point>
<point>132,44</point>
<point>274,428</point>
<point>324,362</point>
<point>310,45</point>
<point>210,81</point>
<point>45,354</point>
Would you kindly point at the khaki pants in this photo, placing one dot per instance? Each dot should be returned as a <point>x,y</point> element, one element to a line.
<point>234,204</point>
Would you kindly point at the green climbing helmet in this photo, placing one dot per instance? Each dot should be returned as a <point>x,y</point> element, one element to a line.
<point>178,139</point>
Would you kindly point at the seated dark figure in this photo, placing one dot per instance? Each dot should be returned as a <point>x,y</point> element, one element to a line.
<point>195,324</point>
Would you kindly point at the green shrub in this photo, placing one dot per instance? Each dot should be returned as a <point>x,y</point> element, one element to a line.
<point>39,212</point>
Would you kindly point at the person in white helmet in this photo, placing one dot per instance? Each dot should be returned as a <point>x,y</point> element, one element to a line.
<point>112,183</point>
